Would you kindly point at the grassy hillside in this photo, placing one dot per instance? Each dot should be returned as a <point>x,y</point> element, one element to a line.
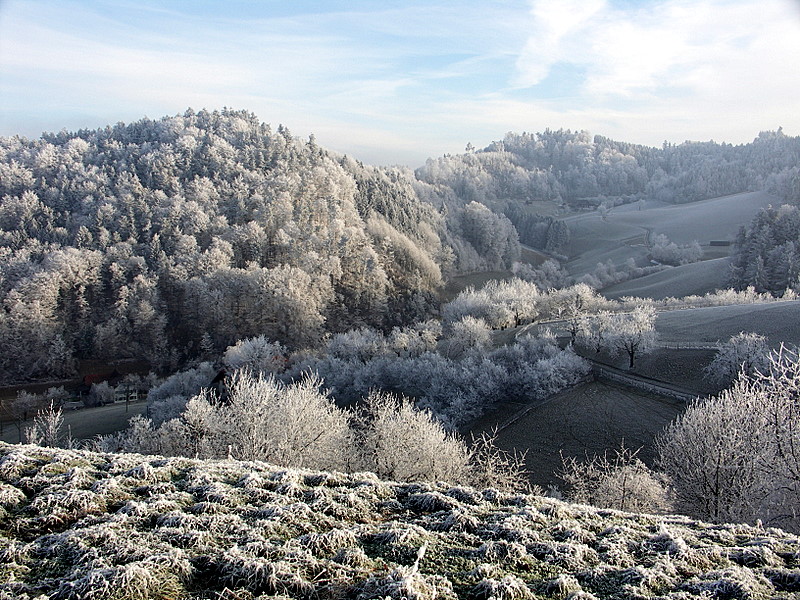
<point>779,321</point>
<point>621,234</point>
<point>88,526</point>
<point>696,278</point>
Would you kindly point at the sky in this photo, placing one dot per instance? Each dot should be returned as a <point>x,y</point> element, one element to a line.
<point>398,82</point>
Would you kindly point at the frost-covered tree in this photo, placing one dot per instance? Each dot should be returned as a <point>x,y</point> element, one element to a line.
<point>745,352</point>
<point>665,251</point>
<point>398,442</point>
<point>736,456</point>
<point>294,425</point>
<point>596,332</point>
<point>573,304</point>
<point>718,455</point>
<point>634,333</point>
<point>464,335</point>
<point>257,354</point>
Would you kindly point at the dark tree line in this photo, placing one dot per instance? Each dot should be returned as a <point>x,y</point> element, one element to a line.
<point>767,254</point>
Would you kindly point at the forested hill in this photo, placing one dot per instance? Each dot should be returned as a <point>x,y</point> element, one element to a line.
<point>571,166</point>
<point>171,239</point>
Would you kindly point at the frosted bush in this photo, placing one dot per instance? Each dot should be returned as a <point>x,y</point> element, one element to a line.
<point>257,354</point>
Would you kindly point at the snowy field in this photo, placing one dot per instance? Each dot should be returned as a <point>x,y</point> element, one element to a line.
<point>623,232</point>
<point>696,278</point>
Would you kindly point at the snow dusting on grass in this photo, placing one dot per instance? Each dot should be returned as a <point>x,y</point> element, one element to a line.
<point>82,525</point>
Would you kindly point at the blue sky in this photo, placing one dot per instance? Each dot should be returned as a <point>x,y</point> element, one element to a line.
<point>397,82</point>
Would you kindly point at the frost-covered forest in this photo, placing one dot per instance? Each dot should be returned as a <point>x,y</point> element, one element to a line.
<point>281,293</point>
<point>169,240</point>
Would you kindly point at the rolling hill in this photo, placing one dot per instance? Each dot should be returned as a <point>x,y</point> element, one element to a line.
<point>626,229</point>
<point>778,321</point>
<point>677,282</point>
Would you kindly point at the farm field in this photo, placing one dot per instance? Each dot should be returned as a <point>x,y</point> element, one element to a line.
<point>590,418</point>
<point>85,423</point>
<point>778,321</point>
<point>696,278</point>
<point>622,234</point>
<point>682,367</point>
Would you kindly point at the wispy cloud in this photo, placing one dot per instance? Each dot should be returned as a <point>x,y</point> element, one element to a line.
<point>414,79</point>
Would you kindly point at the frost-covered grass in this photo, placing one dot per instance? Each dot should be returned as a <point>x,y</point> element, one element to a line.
<point>695,278</point>
<point>777,321</point>
<point>82,525</point>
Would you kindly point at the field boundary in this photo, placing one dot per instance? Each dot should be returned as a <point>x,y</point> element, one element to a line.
<point>606,373</point>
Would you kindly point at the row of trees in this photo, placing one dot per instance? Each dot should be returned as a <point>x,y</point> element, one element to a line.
<point>453,372</point>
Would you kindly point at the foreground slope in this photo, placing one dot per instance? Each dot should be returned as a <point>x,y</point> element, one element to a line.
<point>76,524</point>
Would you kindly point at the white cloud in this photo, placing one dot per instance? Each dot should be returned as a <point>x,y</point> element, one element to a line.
<point>671,47</point>
<point>556,31</point>
<point>416,80</point>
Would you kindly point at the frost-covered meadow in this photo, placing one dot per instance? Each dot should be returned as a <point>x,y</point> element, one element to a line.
<point>83,525</point>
